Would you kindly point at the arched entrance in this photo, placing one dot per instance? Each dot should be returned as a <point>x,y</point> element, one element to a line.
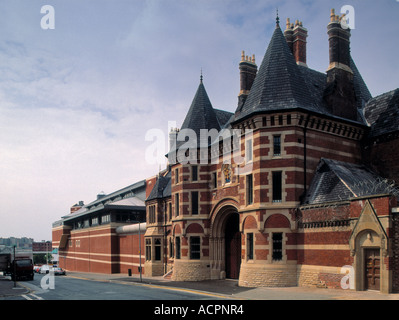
<point>368,244</point>
<point>225,242</point>
<point>232,246</point>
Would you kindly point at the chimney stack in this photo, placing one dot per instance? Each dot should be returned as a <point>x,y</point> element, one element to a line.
<point>339,44</point>
<point>77,206</point>
<point>295,35</point>
<point>248,70</point>
<point>340,91</point>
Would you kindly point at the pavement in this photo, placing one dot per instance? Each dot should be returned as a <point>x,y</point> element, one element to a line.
<point>9,288</point>
<point>227,289</point>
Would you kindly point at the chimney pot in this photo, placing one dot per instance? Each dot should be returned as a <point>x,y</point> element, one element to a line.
<point>248,70</point>
<point>296,40</point>
<point>340,93</point>
<point>288,24</point>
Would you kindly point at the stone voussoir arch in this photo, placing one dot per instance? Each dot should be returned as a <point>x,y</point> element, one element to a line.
<point>219,213</point>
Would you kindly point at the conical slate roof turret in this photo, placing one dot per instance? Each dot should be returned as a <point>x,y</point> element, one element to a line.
<point>279,83</point>
<point>201,114</point>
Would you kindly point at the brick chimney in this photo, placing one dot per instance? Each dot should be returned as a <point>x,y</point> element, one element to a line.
<point>340,92</point>
<point>339,44</point>
<point>295,35</point>
<point>77,206</point>
<point>248,70</point>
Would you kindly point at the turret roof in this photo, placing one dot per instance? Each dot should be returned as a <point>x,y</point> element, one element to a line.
<point>279,83</point>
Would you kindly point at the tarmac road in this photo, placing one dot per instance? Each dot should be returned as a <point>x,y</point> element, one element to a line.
<point>91,286</point>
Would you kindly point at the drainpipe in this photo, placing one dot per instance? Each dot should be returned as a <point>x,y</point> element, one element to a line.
<point>165,257</point>
<point>305,156</point>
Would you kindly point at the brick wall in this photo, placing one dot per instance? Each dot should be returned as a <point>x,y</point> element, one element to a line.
<point>102,251</point>
<point>380,157</point>
<point>395,258</point>
<point>129,253</point>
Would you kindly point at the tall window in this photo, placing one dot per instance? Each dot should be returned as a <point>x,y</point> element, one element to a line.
<point>194,202</point>
<point>94,221</point>
<point>195,248</point>
<point>277,186</point>
<point>177,253</point>
<point>194,173</point>
<point>106,218</point>
<point>177,175</point>
<point>215,179</point>
<point>148,249</point>
<point>171,252</point>
<point>170,210</point>
<point>250,187</point>
<point>151,214</point>
<point>277,246</point>
<point>250,246</point>
<point>157,245</point>
<point>277,145</point>
<point>177,203</point>
<point>248,150</point>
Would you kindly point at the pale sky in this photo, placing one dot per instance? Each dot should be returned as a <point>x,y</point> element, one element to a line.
<point>76,101</point>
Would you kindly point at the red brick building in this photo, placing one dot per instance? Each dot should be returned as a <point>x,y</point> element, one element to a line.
<point>43,246</point>
<point>95,237</point>
<point>290,189</point>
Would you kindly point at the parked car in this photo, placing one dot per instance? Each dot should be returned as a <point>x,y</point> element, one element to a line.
<point>36,269</point>
<point>45,268</point>
<point>58,271</point>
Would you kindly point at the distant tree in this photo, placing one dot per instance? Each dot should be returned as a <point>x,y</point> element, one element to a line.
<point>42,258</point>
<point>39,258</point>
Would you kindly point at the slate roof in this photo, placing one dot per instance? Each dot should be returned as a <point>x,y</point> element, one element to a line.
<point>162,188</point>
<point>223,117</point>
<point>382,113</point>
<point>338,181</point>
<point>279,83</point>
<point>361,91</point>
<point>282,84</point>
<point>131,197</point>
<point>201,114</point>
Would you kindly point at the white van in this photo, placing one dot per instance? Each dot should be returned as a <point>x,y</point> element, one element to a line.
<point>45,268</point>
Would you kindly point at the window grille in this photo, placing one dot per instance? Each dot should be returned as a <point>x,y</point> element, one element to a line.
<point>277,246</point>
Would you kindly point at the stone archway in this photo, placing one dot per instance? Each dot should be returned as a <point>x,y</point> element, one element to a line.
<point>225,243</point>
<point>232,246</point>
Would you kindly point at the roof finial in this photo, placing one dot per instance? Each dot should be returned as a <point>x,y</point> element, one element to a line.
<point>201,77</point>
<point>277,19</point>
